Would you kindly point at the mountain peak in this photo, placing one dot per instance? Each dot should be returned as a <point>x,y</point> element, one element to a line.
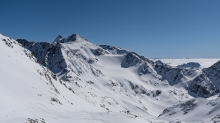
<point>71,38</point>
<point>58,39</point>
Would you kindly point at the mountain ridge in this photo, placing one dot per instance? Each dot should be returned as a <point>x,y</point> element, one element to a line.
<point>109,81</point>
<point>171,74</point>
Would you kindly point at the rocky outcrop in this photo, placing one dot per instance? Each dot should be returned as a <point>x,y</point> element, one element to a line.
<point>202,86</point>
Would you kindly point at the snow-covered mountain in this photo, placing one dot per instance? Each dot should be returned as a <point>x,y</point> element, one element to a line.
<point>190,65</point>
<point>74,80</point>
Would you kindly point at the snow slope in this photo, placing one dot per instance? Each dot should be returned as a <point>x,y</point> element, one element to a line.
<point>195,110</point>
<point>74,80</point>
<point>30,92</point>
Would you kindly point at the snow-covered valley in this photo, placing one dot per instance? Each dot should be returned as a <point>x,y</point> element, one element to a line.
<point>74,80</point>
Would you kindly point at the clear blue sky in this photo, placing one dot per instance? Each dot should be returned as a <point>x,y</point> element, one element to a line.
<point>153,28</point>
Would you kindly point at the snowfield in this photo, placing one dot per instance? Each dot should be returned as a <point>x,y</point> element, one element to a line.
<point>73,80</point>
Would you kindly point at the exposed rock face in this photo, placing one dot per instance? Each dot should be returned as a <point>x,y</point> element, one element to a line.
<point>213,73</point>
<point>114,50</point>
<point>185,107</point>
<point>171,74</point>
<point>131,59</point>
<point>190,65</point>
<point>202,86</point>
<point>99,51</point>
<point>207,83</point>
<point>48,55</point>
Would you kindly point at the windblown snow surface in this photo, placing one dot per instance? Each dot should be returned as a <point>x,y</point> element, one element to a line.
<point>73,80</point>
